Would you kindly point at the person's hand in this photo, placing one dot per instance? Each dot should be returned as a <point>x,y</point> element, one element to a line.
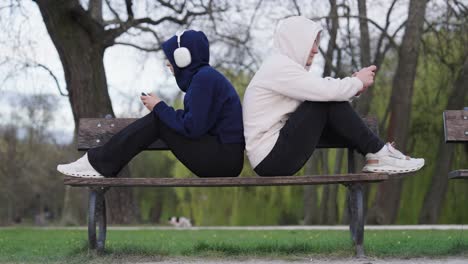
<point>363,89</point>
<point>150,101</point>
<point>366,75</point>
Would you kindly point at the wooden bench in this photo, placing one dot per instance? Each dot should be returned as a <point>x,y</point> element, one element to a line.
<point>456,131</point>
<point>93,132</point>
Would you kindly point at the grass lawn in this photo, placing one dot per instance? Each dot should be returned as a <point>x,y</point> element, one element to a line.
<point>55,245</point>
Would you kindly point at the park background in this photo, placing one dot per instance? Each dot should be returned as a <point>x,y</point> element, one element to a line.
<point>64,60</point>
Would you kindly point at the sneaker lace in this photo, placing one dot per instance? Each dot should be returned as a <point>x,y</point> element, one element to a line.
<point>392,149</point>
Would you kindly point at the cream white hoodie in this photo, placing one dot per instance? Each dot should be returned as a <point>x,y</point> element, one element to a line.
<point>283,82</point>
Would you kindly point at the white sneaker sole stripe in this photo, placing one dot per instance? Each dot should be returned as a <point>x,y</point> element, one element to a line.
<point>80,175</point>
<point>390,171</point>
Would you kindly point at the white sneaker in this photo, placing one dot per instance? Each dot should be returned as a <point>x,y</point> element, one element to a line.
<point>80,168</point>
<point>391,161</point>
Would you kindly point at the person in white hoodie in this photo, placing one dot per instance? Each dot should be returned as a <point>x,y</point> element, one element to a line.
<point>287,109</point>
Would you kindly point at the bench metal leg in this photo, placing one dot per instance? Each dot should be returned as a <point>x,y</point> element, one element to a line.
<point>356,217</point>
<point>97,215</point>
<point>355,203</point>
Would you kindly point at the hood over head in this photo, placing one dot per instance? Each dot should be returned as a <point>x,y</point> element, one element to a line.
<point>295,36</point>
<point>197,43</point>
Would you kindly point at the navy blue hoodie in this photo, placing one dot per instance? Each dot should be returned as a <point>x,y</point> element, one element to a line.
<point>211,105</point>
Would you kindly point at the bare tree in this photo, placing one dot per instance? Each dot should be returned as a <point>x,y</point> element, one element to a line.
<point>341,56</point>
<point>363,104</point>
<point>447,46</point>
<point>81,37</point>
<point>435,196</point>
<point>328,207</point>
<point>387,203</point>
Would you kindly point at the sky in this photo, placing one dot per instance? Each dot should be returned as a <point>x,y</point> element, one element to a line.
<point>24,38</point>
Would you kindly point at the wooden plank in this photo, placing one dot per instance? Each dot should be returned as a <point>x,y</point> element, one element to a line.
<point>93,132</point>
<point>459,174</point>
<point>456,126</point>
<point>225,182</point>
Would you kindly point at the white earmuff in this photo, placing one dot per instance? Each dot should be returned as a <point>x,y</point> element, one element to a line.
<point>182,56</point>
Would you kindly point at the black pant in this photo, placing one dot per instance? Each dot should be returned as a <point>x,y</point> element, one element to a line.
<point>303,130</point>
<point>205,157</point>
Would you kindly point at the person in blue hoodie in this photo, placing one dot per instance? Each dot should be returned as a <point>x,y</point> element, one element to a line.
<point>206,136</point>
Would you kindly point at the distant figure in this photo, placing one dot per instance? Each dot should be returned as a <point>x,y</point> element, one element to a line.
<point>42,218</point>
<point>17,219</point>
<point>180,222</point>
<point>48,215</point>
<point>39,219</point>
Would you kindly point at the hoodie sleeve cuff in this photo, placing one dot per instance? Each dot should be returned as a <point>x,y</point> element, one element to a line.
<point>358,83</point>
<point>159,107</point>
<point>354,97</point>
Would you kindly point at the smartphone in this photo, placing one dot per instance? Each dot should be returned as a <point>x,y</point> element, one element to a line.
<point>144,94</point>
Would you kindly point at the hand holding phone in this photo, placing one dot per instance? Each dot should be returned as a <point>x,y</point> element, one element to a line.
<point>149,100</point>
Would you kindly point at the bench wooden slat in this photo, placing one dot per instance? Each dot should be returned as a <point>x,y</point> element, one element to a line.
<point>225,182</point>
<point>456,125</point>
<point>459,174</point>
<point>93,132</point>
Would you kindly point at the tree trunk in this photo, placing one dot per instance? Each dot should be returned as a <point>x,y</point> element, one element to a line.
<point>329,205</point>
<point>387,203</point>
<point>82,60</point>
<point>13,172</point>
<point>157,208</point>
<point>435,196</point>
<point>311,216</point>
<point>123,207</point>
<point>82,54</point>
<point>324,206</point>
<point>333,29</point>
<point>363,104</point>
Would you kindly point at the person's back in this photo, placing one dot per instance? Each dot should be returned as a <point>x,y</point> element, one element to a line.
<point>225,106</point>
<point>211,104</point>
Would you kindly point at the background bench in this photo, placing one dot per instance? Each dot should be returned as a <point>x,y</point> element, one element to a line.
<point>93,132</point>
<point>456,131</point>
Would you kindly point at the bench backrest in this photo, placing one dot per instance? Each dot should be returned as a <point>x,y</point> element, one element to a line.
<point>93,132</point>
<point>456,126</point>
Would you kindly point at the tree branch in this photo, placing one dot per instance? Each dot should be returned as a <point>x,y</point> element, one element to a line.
<point>93,27</point>
<point>53,76</point>
<point>390,38</point>
<point>149,30</point>
<point>352,53</point>
<point>333,68</point>
<point>116,15</point>
<point>238,42</point>
<point>378,59</point>
<point>95,10</point>
<point>112,34</point>
<point>128,5</point>
<point>296,6</point>
<point>138,47</point>
<point>378,53</point>
<point>178,10</point>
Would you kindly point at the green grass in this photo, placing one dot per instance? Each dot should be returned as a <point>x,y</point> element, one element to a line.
<point>54,245</point>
